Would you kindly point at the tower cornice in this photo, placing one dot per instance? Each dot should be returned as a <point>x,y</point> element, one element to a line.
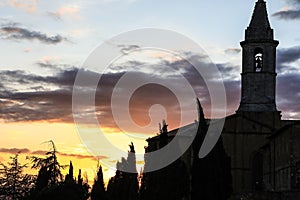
<point>258,41</point>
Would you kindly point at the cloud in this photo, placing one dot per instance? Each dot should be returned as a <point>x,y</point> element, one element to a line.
<point>232,50</point>
<point>229,71</point>
<point>50,62</point>
<point>13,31</point>
<point>45,97</point>
<point>288,14</point>
<point>78,156</point>
<point>43,152</point>
<point>49,98</point>
<point>29,6</point>
<point>291,12</point>
<point>65,11</point>
<point>53,106</point>
<point>31,97</point>
<point>27,50</point>
<point>289,94</point>
<point>14,150</point>
<point>288,81</point>
<point>126,49</point>
<point>49,65</point>
<point>288,55</point>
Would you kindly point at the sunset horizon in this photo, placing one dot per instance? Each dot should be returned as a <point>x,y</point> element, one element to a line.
<point>95,77</point>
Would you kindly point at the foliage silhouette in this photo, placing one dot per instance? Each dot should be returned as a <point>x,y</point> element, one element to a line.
<point>70,176</point>
<point>49,167</point>
<point>208,178</point>
<point>50,184</point>
<point>13,183</point>
<point>98,189</point>
<point>124,185</point>
<point>211,176</point>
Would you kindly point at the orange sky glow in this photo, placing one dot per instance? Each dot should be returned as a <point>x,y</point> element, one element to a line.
<point>30,139</point>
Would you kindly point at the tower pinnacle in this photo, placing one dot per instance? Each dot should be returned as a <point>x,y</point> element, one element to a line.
<point>259,27</point>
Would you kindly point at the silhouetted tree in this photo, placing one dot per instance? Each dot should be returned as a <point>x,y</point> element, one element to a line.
<point>124,185</point>
<point>50,184</point>
<point>83,185</point>
<point>79,178</point>
<point>14,184</point>
<point>49,167</point>
<point>63,190</point>
<point>98,189</point>
<point>42,179</point>
<point>211,176</point>
<point>69,177</point>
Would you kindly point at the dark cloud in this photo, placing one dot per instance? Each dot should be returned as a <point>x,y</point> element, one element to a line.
<point>62,78</point>
<point>288,81</point>
<point>42,103</point>
<point>285,59</point>
<point>79,156</point>
<point>292,13</point>
<point>36,106</point>
<point>288,55</point>
<point>38,103</point>
<point>54,15</point>
<point>126,49</point>
<point>43,152</point>
<point>50,97</point>
<point>233,93</point>
<point>289,94</point>
<point>230,77</point>
<point>288,14</point>
<point>14,150</point>
<point>51,66</point>
<point>2,87</point>
<point>229,71</point>
<point>232,50</point>
<point>13,31</point>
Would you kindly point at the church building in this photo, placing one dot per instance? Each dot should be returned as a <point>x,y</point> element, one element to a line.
<point>259,148</point>
<point>256,127</point>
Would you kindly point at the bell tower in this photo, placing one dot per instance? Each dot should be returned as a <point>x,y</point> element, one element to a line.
<point>259,64</point>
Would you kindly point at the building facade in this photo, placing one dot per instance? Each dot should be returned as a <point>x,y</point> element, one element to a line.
<point>255,137</point>
<point>263,150</point>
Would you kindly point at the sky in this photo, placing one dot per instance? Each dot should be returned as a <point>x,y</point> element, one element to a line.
<point>45,43</point>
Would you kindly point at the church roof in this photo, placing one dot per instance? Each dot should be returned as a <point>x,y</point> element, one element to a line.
<point>291,125</point>
<point>186,130</point>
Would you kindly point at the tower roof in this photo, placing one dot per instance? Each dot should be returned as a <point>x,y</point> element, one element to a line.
<point>260,16</point>
<point>259,27</point>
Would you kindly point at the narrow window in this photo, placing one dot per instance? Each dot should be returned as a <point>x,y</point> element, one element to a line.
<point>258,60</point>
